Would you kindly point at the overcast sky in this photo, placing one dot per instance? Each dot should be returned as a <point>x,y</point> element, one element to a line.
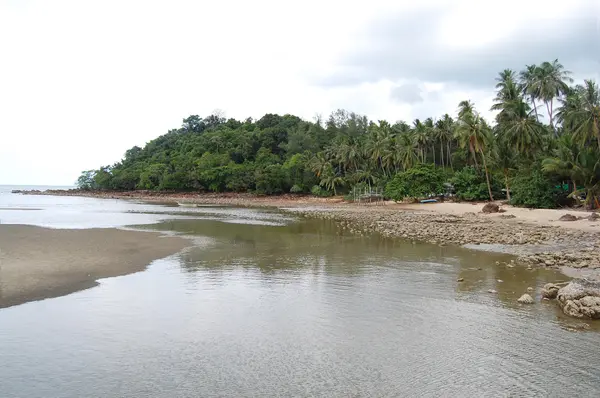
<point>83,81</point>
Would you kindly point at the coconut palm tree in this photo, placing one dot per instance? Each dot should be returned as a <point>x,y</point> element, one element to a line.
<point>446,128</point>
<point>420,137</point>
<point>507,93</point>
<point>530,85</point>
<point>520,130</point>
<point>553,79</point>
<point>474,132</point>
<point>406,151</point>
<point>584,113</point>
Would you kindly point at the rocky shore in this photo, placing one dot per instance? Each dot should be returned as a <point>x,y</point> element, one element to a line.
<point>533,244</point>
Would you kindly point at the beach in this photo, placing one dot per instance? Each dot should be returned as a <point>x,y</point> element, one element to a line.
<point>38,263</point>
<point>537,237</point>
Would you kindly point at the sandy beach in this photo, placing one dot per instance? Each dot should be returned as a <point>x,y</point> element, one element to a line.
<point>536,236</point>
<point>38,263</point>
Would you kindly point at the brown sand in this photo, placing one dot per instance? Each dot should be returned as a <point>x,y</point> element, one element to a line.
<point>38,263</point>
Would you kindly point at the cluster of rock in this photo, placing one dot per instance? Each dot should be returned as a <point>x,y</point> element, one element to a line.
<point>580,299</point>
<point>571,217</point>
<point>582,258</point>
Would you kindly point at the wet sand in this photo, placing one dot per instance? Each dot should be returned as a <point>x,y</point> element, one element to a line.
<point>38,263</point>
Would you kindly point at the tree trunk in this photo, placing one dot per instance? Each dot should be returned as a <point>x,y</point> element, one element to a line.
<point>550,116</point>
<point>507,187</point>
<point>442,153</point>
<point>433,152</point>
<point>537,117</point>
<point>450,157</point>
<point>487,176</point>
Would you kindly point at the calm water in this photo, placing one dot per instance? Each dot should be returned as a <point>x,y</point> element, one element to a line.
<point>265,305</point>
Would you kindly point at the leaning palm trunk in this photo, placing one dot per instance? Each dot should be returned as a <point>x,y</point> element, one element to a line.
<point>506,183</point>
<point>449,156</point>
<point>487,176</point>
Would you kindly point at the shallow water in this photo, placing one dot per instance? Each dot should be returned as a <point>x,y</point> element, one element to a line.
<point>265,305</point>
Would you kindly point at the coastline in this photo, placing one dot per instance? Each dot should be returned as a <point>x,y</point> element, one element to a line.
<point>38,263</point>
<point>535,236</point>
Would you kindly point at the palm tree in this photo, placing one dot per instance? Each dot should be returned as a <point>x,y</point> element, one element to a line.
<point>519,129</point>
<point>564,163</point>
<point>584,115</point>
<point>473,131</point>
<point>446,128</point>
<point>506,159</point>
<point>553,80</point>
<point>585,167</point>
<point>431,135</point>
<point>420,137</point>
<point>330,180</point>
<point>405,151</point>
<point>507,93</point>
<point>530,85</point>
<point>319,164</point>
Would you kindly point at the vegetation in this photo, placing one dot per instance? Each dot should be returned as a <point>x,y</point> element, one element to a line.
<point>545,135</point>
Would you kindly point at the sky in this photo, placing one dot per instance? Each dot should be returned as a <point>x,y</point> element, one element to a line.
<point>83,81</point>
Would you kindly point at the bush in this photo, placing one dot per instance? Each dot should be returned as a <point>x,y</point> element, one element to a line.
<point>296,189</point>
<point>420,181</point>
<point>470,184</point>
<point>318,191</point>
<point>534,189</point>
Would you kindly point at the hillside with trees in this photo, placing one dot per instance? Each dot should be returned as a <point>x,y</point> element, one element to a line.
<point>541,150</point>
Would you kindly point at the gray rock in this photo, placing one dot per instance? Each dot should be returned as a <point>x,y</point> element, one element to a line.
<point>568,217</point>
<point>490,208</point>
<point>550,291</point>
<point>580,299</point>
<point>525,299</point>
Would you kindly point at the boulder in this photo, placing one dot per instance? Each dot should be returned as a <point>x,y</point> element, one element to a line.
<point>490,208</point>
<point>594,217</point>
<point>568,217</point>
<point>580,299</point>
<point>550,291</point>
<point>525,299</point>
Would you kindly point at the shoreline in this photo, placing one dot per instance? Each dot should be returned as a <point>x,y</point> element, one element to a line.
<point>37,263</point>
<point>535,236</point>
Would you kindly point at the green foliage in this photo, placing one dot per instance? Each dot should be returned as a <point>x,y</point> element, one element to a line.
<point>318,191</point>
<point>470,184</point>
<point>86,180</point>
<point>532,188</point>
<point>420,181</point>
<point>283,153</point>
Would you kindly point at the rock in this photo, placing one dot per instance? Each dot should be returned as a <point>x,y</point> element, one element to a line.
<point>594,217</point>
<point>460,279</point>
<point>549,262</point>
<point>568,217</point>
<point>492,291</point>
<point>580,299</point>
<point>525,299</point>
<point>490,208</point>
<point>530,289</point>
<point>507,216</point>
<point>499,280</point>
<point>550,291</point>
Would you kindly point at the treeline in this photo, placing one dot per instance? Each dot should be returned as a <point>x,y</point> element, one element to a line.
<point>543,148</point>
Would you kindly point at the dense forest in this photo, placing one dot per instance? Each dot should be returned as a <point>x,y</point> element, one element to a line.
<point>541,150</point>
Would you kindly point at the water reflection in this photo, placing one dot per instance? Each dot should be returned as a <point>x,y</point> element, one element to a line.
<point>300,309</point>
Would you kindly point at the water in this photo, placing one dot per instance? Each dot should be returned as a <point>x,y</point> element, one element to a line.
<point>265,305</point>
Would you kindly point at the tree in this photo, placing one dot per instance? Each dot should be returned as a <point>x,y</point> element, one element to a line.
<point>473,131</point>
<point>553,80</point>
<point>584,114</point>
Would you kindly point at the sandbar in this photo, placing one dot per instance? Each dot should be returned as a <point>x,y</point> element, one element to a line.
<point>38,263</point>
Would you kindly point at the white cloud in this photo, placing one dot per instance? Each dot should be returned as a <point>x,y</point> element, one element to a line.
<point>83,81</point>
